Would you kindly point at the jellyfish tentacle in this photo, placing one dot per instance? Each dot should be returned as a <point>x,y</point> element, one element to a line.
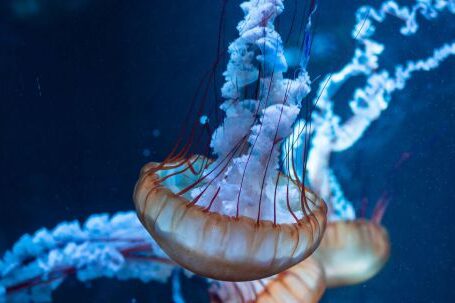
<point>114,246</point>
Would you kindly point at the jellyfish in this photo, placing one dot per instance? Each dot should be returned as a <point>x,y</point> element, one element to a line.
<point>304,282</point>
<point>238,217</point>
<point>353,251</point>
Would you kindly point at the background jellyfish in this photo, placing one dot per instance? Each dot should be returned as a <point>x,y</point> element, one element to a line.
<point>304,282</point>
<point>333,134</point>
<point>26,191</point>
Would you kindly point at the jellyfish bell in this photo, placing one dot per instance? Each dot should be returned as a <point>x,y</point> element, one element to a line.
<point>217,245</point>
<point>304,282</point>
<point>353,251</point>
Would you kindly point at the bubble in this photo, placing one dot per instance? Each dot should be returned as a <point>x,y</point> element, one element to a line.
<point>146,152</point>
<point>156,133</point>
<point>204,120</point>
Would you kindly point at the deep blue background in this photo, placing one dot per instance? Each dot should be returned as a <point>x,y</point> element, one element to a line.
<point>90,90</point>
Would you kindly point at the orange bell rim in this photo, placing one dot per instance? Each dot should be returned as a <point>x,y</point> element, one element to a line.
<point>214,245</point>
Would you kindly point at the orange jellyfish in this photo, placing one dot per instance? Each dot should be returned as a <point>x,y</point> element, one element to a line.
<point>239,217</point>
<point>304,282</point>
<point>354,251</point>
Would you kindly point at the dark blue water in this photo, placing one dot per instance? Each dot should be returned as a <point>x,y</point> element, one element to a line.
<point>91,90</point>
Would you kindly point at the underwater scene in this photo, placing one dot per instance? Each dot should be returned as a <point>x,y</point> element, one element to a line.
<point>227,151</point>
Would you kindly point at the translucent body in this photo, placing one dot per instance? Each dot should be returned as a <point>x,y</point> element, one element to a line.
<point>352,252</point>
<point>303,282</point>
<point>215,245</point>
